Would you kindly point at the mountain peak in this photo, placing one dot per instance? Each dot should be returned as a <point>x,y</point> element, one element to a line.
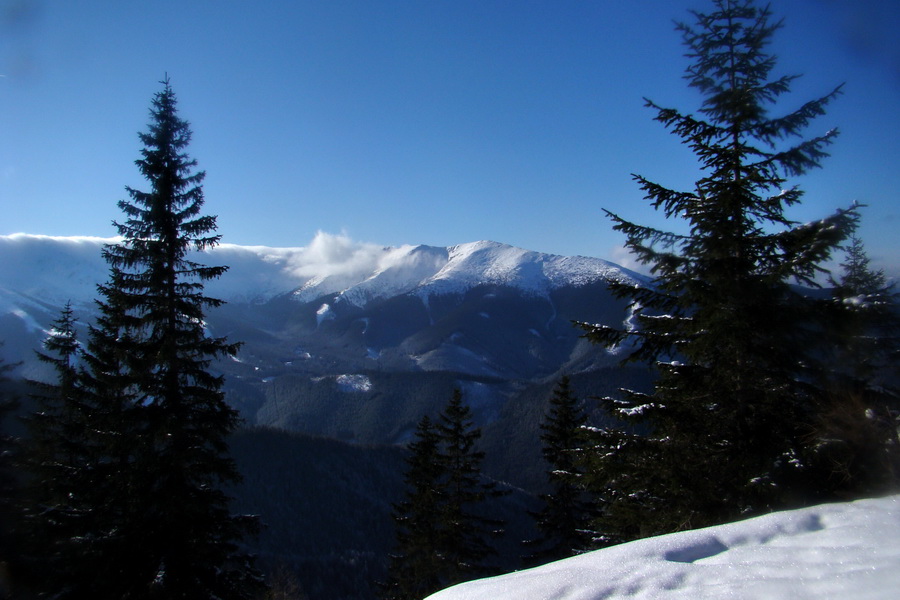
<point>533,272</point>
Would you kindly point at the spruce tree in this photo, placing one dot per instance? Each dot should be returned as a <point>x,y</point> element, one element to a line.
<point>57,461</point>
<point>859,447</point>
<point>163,423</point>
<point>857,277</point>
<point>415,569</point>
<point>443,535</point>
<point>58,423</point>
<point>869,328</point>
<point>736,346</point>
<point>464,539</point>
<point>105,556</point>
<point>564,520</point>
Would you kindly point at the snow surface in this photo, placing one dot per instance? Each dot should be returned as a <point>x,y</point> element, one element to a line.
<point>35,268</point>
<point>353,383</point>
<point>846,551</point>
<point>471,264</point>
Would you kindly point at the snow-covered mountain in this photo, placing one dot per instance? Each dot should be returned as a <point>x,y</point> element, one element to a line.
<point>460,308</point>
<point>56,269</point>
<point>849,551</point>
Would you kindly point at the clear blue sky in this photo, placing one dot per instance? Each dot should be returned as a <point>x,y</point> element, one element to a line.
<point>416,121</point>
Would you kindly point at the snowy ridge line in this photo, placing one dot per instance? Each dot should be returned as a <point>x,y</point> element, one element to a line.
<point>58,269</point>
<point>428,271</point>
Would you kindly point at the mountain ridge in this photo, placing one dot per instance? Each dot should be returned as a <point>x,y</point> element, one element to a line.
<point>56,269</point>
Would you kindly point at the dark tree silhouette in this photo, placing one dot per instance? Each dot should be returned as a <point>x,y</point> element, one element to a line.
<point>735,344</point>
<point>57,457</point>
<point>858,448</point>
<point>415,569</point>
<point>564,520</point>
<point>443,537</point>
<point>156,522</point>
<point>464,542</point>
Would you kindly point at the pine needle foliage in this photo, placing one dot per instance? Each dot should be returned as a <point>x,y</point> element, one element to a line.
<point>725,326</point>
<point>869,305</point>
<point>857,277</point>
<point>465,539</point>
<point>58,462</point>
<point>415,567</point>
<point>56,427</point>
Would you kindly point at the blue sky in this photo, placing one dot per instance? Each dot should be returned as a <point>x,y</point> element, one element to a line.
<point>417,121</point>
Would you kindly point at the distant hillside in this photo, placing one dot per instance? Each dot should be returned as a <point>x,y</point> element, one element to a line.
<point>325,510</point>
<point>324,506</point>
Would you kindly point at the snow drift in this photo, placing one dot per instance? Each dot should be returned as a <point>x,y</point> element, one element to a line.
<point>846,551</point>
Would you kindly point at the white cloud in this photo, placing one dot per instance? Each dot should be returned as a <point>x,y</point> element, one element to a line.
<point>329,263</point>
<point>623,257</point>
<point>329,255</point>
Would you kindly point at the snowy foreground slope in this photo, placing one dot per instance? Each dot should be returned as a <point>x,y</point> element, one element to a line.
<point>846,551</point>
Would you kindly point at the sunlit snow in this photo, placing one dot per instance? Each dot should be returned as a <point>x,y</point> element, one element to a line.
<point>847,551</point>
<point>354,383</point>
<point>324,313</point>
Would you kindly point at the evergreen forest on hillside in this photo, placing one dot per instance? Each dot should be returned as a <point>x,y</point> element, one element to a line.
<point>751,380</point>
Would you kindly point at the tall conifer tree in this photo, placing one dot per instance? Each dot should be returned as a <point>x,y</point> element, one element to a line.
<point>464,541</point>
<point>859,448</point>
<point>857,276</point>
<point>57,425</point>
<point>564,520</point>
<point>164,421</point>
<point>415,569</point>
<point>869,348</point>
<point>734,343</point>
<point>58,464</point>
<point>443,537</point>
